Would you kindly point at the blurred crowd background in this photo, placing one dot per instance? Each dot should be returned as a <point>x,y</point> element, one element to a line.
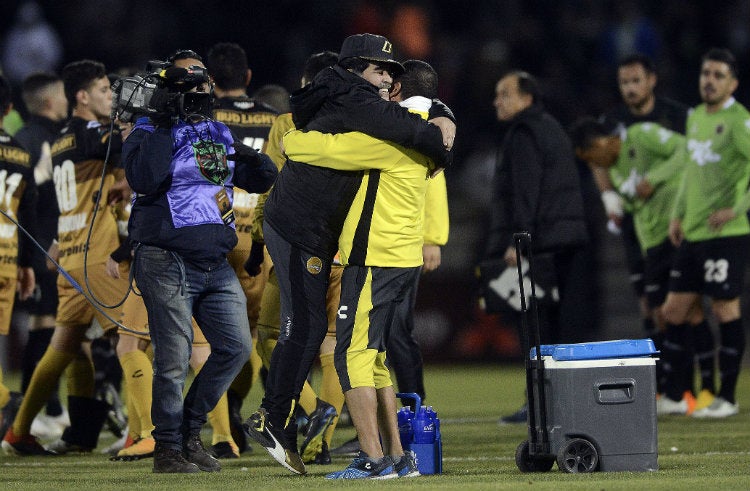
<point>572,46</point>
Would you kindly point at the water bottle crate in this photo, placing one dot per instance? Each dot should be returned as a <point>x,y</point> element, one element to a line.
<point>420,433</point>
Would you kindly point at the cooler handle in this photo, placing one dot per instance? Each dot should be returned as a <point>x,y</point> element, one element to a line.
<point>615,391</point>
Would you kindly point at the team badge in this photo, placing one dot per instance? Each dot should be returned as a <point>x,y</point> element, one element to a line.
<point>212,161</point>
<point>314,265</point>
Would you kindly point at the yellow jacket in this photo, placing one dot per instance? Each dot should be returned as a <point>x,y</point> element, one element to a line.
<point>385,224</point>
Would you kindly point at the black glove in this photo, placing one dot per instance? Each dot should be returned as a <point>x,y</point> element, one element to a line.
<point>160,112</point>
<point>246,155</point>
<point>255,259</point>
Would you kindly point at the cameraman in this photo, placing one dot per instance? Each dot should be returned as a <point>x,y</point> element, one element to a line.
<point>182,226</point>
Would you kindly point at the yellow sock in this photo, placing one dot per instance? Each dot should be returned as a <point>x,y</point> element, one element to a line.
<point>330,391</point>
<point>4,391</point>
<point>46,374</point>
<point>243,381</point>
<point>308,399</point>
<point>255,364</point>
<point>134,423</point>
<point>138,374</point>
<point>218,418</point>
<point>268,336</point>
<point>80,375</point>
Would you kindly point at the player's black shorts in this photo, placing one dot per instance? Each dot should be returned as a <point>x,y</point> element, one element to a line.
<point>633,254</point>
<point>658,264</point>
<point>713,267</point>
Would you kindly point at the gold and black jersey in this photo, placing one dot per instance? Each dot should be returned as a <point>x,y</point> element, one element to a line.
<point>16,200</point>
<point>78,163</point>
<point>250,121</point>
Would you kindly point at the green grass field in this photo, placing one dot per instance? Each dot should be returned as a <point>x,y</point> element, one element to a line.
<point>478,453</point>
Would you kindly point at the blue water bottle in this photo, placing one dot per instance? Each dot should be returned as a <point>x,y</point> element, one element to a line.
<point>423,426</point>
<point>438,446</point>
<point>405,415</point>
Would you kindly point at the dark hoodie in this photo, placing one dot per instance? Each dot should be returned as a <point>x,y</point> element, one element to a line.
<point>308,204</point>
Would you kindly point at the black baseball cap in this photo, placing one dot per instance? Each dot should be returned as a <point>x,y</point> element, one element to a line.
<point>371,47</point>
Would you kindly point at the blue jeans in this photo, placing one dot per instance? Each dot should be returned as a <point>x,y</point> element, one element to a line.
<point>174,291</point>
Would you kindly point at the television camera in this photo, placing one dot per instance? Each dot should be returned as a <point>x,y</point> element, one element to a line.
<point>164,89</point>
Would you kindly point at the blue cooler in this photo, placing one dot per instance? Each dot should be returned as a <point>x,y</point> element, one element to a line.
<point>603,393</point>
<point>420,433</point>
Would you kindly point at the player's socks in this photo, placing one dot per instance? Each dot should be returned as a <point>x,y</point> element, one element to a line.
<point>676,361</point>
<point>138,375</point>
<point>35,349</point>
<point>46,375</point>
<point>308,400</point>
<point>330,391</point>
<point>705,352</point>
<point>242,383</point>
<point>80,375</point>
<point>255,364</point>
<point>4,393</point>
<point>87,417</point>
<point>218,418</point>
<point>730,357</point>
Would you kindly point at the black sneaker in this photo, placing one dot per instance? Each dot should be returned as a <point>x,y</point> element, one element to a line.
<point>170,460</point>
<point>260,429</point>
<point>235,421</point>
<point>324,456</point>
<point>320,420</point>
<point>196,453</point>
<point>349,448</point>
<point>225,450</point>
<point>520,416</point>
<point>406,466</point>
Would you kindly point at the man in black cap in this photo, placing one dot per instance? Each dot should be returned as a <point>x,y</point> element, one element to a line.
<point>305,212</point>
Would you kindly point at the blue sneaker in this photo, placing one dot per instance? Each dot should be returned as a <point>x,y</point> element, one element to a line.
<point>363,467</point>
<point>406,466</point>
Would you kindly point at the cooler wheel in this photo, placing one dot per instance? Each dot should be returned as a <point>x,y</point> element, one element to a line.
<point>577,455</point>
<point>528,463</point>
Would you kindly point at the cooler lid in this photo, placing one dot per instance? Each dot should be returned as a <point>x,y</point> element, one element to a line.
<point>622,348</point>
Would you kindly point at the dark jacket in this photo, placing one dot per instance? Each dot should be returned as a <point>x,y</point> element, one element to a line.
<point>308,204</point>
<point>37,131</point>
<point>148,155</point>
<point>537,187</point>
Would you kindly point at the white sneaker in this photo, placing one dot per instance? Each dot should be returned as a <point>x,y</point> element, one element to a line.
<point>720,408</point>
<point>44,429</point>
<point>49,427</point>
<point>665,405</point>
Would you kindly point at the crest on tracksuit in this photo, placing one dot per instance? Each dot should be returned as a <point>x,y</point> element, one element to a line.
<point>212,161</point>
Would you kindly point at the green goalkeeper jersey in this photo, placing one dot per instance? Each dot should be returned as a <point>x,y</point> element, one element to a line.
<point>649,151</point>
<point>718,171</point>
